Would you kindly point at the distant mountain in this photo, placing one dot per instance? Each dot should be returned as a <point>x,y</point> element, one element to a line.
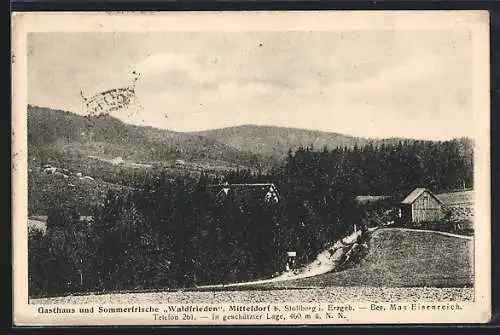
<point>246,146</point>
<point>276,141</point>
<point>108,138</point>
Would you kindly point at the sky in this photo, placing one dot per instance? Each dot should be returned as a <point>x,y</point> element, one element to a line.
<point>387,83</point>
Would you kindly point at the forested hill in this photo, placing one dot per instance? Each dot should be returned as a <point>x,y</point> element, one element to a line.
<point>163,227</point>
<point>243,146</point>
<point>388,169</point>
<point>276,141</point>
<point>107,137</point>
<point>163,224</point>
<point>369,166</point>
<point>246,146</point>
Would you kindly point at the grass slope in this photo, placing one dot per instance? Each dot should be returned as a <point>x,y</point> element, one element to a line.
<point>403,258</point>
<point>457,198</point>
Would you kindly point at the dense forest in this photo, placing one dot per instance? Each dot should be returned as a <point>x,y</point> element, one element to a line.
<point>175,233</point>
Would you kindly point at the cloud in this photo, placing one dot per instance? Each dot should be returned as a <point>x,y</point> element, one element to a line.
<point>159,63</point>
<point>415,70</point>
<point>161,73</point>
<point>352,82</point>
<point>426,81</point>
<point>420,91</point>
<point>245,90</point>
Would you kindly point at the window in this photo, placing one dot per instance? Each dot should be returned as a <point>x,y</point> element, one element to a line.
<point>426,200</point>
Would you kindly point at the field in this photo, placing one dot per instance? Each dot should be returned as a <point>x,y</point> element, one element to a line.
<point>327,294</point>
<point>461,205</point>
<point>457,198</point>
<point>405,258</point>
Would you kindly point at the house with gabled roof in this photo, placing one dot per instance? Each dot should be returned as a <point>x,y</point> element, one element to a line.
<point>421,205</point>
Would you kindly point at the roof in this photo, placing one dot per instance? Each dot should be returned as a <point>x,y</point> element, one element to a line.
<point>42,218</point>
<point>416,193</point>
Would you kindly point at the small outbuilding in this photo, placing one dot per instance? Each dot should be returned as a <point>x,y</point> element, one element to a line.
<point>421,205</point>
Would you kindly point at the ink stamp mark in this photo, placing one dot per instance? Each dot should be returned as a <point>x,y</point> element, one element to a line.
<point>114,100</point>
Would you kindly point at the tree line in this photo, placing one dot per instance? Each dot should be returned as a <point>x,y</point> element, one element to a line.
<point>178,233</point>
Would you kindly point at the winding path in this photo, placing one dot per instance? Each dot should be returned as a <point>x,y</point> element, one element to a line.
<point>321,265</point>
<point>432,231</point>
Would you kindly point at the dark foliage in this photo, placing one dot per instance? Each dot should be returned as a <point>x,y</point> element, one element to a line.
<point>176,233</point>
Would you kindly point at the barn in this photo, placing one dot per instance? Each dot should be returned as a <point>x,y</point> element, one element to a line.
<point>421,205</point>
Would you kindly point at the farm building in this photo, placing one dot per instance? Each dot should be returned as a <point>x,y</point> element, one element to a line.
<point>422,205</point>
<point>37,225</point>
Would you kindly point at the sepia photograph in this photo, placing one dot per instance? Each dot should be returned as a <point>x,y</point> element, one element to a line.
<point>251,168</point>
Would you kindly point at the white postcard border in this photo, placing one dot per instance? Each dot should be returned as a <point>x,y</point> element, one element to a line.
<point>475,21</point>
